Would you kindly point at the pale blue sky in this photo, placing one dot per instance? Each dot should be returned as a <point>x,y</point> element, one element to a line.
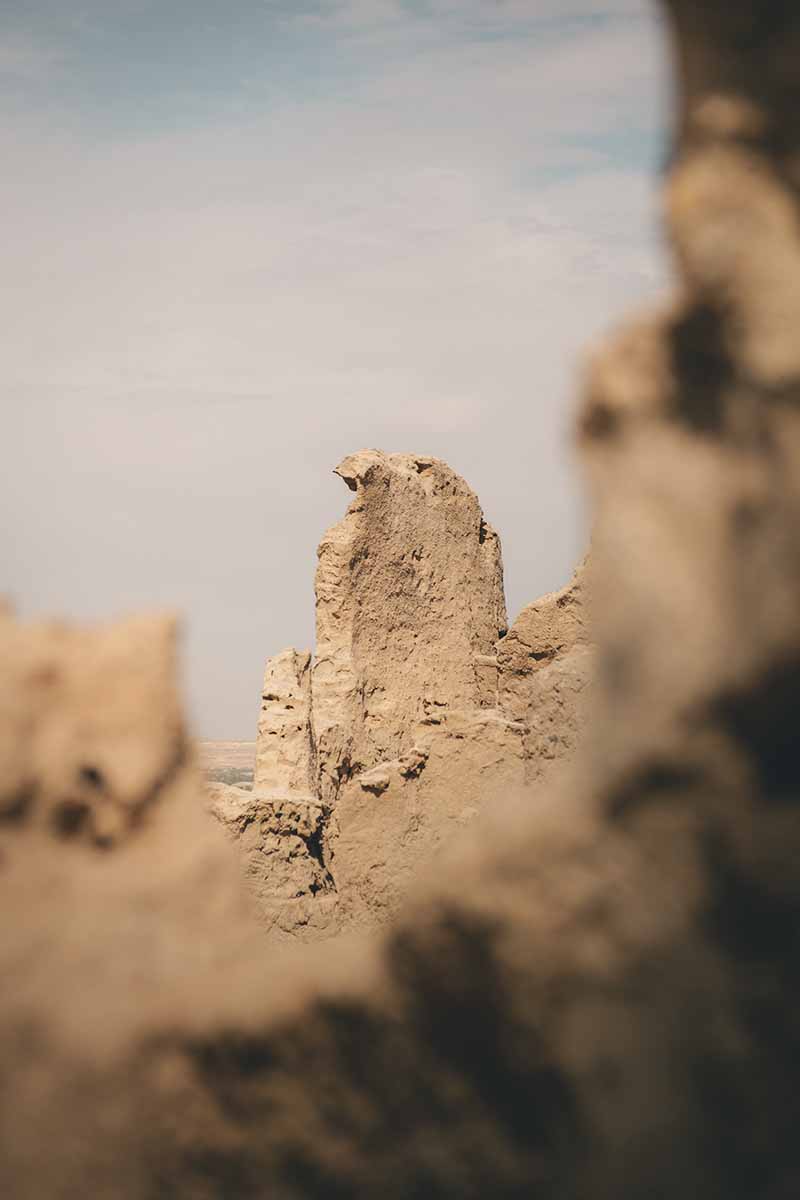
<point>243,240</point>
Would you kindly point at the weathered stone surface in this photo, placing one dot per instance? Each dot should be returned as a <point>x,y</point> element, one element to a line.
<point>409,592</point>
<point>545,667</point>
<point>280,846</point>
<point>284,762</point>
<point>393,822</point>
<point>544,631</point>
<point>411,697</point>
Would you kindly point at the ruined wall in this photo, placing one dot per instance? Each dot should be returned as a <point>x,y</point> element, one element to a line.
<point>285,763</point>
<point>417,710</point>
<point>526,718</point>
<point>279,842</point>
<point>545,669</point>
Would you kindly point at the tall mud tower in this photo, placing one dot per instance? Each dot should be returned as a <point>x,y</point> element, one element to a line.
<point>409,603</point>
<point>415,712</point>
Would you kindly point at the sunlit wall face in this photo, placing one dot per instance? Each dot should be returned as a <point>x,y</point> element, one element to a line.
<point>239,245</point>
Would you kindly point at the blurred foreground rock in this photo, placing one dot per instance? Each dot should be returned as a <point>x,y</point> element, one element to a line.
<point>596,997</point>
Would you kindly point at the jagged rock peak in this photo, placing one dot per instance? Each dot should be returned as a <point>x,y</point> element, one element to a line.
<point>409,592</point>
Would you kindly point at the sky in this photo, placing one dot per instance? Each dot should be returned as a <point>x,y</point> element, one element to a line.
<point>241,241</point>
